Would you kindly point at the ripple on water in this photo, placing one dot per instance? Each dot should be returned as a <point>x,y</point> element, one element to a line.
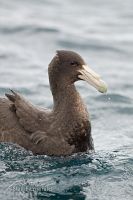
<point>92,45</point>
<point>125,110</point>
<point>114,98</point>
<point>31,28</point>
<point>28,176</point>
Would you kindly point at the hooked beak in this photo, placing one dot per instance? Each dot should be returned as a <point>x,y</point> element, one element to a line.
<point>92,78</point>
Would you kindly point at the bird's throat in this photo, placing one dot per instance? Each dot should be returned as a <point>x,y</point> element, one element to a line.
<point>67,99</point>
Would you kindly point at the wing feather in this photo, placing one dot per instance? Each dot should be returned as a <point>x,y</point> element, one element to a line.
<point>30,117</point>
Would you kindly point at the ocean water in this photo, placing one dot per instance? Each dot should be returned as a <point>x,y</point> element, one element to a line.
<point>102,32</point>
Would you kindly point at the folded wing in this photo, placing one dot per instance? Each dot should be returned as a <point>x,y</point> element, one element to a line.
<point>30,117</point>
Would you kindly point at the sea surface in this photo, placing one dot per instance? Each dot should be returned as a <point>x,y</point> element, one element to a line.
<point>102,32</point>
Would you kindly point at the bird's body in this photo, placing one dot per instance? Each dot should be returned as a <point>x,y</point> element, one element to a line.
<point>65,129</point>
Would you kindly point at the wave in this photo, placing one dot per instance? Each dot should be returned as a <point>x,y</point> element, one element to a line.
<point>35,29</point>
<point>44,176</point>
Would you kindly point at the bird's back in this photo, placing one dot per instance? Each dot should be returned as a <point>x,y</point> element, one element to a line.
<point>20,121</point>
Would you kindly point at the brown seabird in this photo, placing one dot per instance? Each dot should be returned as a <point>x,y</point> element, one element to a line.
<point>65,129</point>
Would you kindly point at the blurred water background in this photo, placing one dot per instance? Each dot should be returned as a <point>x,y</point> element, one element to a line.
<point>102,32</point>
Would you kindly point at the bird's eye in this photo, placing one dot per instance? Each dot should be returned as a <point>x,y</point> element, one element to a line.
<point>74,63</point>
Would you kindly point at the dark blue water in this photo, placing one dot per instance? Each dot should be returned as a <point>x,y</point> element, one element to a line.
<point>102,32</point>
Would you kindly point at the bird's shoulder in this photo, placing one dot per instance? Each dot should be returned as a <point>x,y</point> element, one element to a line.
<point>32,118</point>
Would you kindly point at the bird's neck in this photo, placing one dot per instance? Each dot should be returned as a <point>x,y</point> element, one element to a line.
<point>71,114</point>
<point>68,99</point>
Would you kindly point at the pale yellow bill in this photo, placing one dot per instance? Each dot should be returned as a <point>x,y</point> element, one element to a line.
<point>87,74</point>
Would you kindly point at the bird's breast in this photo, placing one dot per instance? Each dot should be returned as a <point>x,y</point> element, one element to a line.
<point>80,135</point>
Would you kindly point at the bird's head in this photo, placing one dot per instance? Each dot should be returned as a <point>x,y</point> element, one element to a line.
<point>70,67</point>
